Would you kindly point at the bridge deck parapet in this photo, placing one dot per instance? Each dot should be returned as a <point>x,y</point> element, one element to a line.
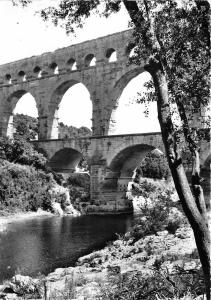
<point>98,137</point>
<point>9,72</point>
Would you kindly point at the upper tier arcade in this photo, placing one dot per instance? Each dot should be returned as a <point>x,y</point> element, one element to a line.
<point>74,58</point>
<point>101,65</point>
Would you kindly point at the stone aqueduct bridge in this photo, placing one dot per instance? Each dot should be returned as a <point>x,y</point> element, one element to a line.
<point>47,77</point>
<point>112,158</point>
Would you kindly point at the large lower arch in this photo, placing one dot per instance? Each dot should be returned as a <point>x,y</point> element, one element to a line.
<point>65,160</point>
<point>123,165</point>
<point>8,110</point>
<point>56,98</point>
<point>126,116</point>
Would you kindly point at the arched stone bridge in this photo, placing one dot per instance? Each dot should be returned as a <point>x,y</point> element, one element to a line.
<point>47,77</point>
<point>112,158</point>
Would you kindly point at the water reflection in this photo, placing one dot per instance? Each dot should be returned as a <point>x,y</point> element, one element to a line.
<point>42,244</point>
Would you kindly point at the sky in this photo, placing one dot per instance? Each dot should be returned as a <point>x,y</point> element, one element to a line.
<point>24,34</point>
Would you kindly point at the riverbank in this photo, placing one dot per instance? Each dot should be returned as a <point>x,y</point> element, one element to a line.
<point>157,266</point>
<point>20,216</point>
<point>122,269</point>
<point>156,259</point>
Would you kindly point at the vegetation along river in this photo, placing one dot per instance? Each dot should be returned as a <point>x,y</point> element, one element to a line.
<point>42,244</point>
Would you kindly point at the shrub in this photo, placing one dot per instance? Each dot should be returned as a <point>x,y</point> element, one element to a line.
<point>160,213</point>
<point>25,127</point>
<point>79,179</point>
<point>155,166</point>
<point>22,152</point>
<point>24,188</point>
<point>159,285</point>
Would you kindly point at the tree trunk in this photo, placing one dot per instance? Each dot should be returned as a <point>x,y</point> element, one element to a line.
<point>198,223</point>
<point>194,211</point>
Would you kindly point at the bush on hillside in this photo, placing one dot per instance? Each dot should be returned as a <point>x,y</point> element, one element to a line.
<point>26,127</point>
<point>155,166</point>
<point>24,188</point>
<point>66,131</point>
<point>156,286</point>
<point>79,179</point>
<point>22,152</point>
<point>158,212</point>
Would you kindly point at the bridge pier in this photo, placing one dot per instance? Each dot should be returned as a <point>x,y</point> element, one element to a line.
<point>104,192</point>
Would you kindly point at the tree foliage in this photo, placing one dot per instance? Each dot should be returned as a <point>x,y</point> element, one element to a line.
<point>22,152</point>
<point>66,131</point>
<point>23,188</point>
<point>155,166</point>
<point>184,49</point>
<point>26,127</point>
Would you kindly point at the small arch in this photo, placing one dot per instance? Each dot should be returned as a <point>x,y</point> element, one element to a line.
<point>55,68</point>
<point>22,75</point>
<point>130,50</point>
<point>121,167</point>
<point>65,160</point>
<point>38,71</point>
<point>127,159</point>
<point>111,55</point>
<point>72,64</point>
<point>90,60</point>
<point>8,78</point>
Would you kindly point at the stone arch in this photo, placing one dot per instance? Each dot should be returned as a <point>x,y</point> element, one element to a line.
<point>72,64</point>
<point>90,60</point>
<point>118,88</point>
<point>8,79</point>
<point>54,67</point>
<point>53,108</point>
<point>8,109</point>
<point>38,71</point>
<point>65,160</point>
<point>111,55</point>
<point>22,75</point>
<point>123,164</point>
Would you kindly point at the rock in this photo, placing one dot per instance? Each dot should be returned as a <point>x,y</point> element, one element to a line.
<point>70,210</point>
<point>24,285</point>
<point>183,233</point>
<point>89,291</point>
<point>192,265</point>
<point>56,207</point>
<point>2,287</point>
<point>174,197</point>
<point>162,233</point>
<point>139,202</point>
<point>113,270</point>
<point>142,256</point>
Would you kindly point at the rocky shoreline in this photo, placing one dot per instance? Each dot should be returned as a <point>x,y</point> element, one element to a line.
<point>96,274</point>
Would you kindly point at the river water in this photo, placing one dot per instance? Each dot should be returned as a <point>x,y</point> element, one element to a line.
<point>42,244</point>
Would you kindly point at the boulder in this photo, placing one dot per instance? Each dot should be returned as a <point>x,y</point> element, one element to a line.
<point>22,285</point>
<point>56,208</point>
<point>70,210</point>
